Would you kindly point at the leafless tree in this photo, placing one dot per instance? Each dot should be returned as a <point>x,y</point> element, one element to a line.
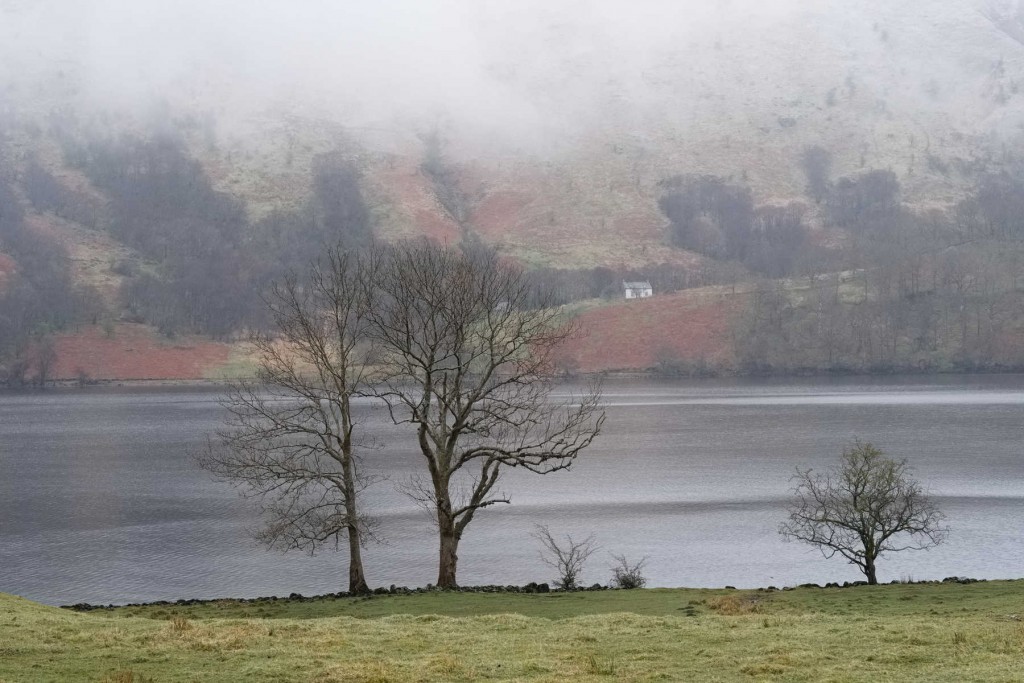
<point>45,359</point>
<point>292,441</point>
<point>566,558</point>
<point>628,575</point>
<point>867,506</point>
<point>469,364</point>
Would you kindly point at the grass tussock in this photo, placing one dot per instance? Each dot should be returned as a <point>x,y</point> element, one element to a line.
<point>180,625</point>
<point>733,605</point>
<point>945,633</point>
<point>125,676</point>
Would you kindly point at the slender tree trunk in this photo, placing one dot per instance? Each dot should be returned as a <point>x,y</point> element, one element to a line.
<point>449,555</point>
<point>356,577</point>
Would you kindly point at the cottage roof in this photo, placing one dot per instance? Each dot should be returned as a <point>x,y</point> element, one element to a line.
<point>641,284</point>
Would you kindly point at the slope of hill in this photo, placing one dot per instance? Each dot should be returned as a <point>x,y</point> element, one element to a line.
<point>551,129</point>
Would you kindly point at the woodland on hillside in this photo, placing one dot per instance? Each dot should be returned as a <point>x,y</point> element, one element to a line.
<point>898,289</point>
<point>845,278</point>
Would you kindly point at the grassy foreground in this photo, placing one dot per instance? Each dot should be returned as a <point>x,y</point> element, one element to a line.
<point>944,632</point>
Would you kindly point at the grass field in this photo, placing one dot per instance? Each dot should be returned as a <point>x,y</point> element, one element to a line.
<point>920,632</point>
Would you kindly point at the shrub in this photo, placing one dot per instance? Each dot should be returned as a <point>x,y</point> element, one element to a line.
<point>626,575</point>
<point>567,558</point>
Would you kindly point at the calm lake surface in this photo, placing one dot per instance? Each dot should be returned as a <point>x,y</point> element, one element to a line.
<point>99,501</point>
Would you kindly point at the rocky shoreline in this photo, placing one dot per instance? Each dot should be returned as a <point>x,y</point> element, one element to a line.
<point>530,588</point>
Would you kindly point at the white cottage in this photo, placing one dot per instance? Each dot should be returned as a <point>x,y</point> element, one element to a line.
<point>637,290</point>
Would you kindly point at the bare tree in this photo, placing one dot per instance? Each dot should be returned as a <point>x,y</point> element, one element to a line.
<point>567,559</point>
<point>628,575</point>
<point>45,358</point>
<point>816,162</point>
<point>469,363</point>
<point>867,506</point>
<point>292,442</point>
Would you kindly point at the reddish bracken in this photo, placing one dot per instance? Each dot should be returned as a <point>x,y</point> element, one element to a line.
<point>411,191</point>
<point>635,335</point>
<point>135,352</point>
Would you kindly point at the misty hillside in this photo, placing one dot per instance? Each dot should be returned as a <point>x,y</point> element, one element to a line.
<point>695,147</point>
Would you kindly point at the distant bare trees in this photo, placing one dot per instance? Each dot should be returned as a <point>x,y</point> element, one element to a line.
<point>37,296</point>
<point>867,506</point>
<point>467,360</point>
<point>45,358</point>
<point>341,213</point>
<point>719,219</point>
<point>816,162</point>
<point>869,201</point>
<point>708,215</point>
<point>294,442</point>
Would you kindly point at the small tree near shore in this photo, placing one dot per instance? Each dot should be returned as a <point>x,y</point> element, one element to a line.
<point>628,575</point>
<point>867,506</point>
<point>566,558</point>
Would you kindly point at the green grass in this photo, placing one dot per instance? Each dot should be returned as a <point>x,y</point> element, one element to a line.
<point>241,364</point>
<point>940,632</point>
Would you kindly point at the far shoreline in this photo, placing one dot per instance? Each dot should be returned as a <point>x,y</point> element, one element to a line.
<point>612,375</point>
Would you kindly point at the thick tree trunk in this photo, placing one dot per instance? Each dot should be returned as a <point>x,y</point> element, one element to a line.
<point>449,556</point>
<point>356,577</point>
<point>869,570</point>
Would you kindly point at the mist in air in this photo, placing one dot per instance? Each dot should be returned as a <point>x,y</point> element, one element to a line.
<point>521,74</point>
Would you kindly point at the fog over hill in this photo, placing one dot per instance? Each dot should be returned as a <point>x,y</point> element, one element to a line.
<point>563,134</point>
<point>879,83</point>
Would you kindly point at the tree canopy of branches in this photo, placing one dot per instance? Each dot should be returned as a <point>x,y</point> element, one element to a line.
<point>866,202</point>
<point>163,204</point>
<point>468,363</point>
<point>293,442</point>
<point>342,215</point>
<point>816,162</point>
<point>567,558</point>
<point>719,219</point>
<point>867,506</point>
<point>708,215</point>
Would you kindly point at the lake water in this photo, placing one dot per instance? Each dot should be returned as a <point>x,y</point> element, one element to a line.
<point>99,501</point>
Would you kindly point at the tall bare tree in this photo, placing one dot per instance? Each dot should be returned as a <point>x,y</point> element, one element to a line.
<point>467,359</point>
<point>292,441</point>
<point>867,506</point>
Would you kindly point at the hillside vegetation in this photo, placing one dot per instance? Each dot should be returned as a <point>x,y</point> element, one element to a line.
<point>846,179</point>
<point>937,632</point>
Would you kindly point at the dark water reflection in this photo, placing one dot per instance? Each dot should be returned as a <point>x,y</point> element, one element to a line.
<point>99,501</point>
